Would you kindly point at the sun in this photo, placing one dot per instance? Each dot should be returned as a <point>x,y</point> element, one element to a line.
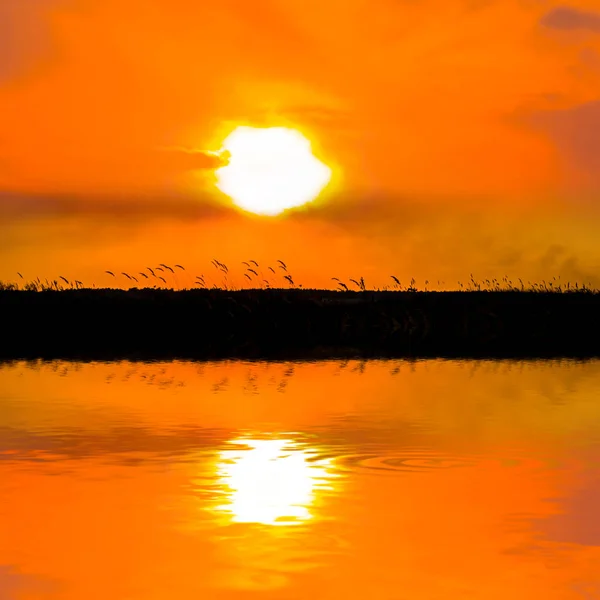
<point>270,170</point>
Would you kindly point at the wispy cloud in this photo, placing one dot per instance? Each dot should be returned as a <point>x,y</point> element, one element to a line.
<point>124,170</point>
<point>574,131</point>
<point>132,207</point>
<point>568,19</point>
<point>13,583</point>
<point>25,35</point>
<point>184,159</point>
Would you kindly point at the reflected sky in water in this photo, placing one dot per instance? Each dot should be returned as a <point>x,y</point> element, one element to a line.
<point>334,479</point>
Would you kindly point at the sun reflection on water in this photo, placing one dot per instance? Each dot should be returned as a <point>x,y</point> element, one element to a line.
<point>271,481</point>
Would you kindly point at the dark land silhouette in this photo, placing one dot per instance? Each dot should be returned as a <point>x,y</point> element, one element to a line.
<point>212,323</point>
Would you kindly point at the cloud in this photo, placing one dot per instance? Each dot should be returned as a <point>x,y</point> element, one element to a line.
<point>557,259</point>
<point>182,159</point>
<point>571,19</point>
<point>25,36</point>
<point>368,236</point>
<point>128,208</point>
<point>15,584</point>
<point>574,132</point>
<point>118,171</point>
<point>158,190</point>
<point>329,117</point>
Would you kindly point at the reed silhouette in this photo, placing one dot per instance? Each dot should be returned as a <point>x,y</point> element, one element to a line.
<point>215,317</point>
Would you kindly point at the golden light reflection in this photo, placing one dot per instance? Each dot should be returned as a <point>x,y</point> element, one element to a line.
<point>271,481</point>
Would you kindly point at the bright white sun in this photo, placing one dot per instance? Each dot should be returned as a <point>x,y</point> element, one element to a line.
<point>270,170</point>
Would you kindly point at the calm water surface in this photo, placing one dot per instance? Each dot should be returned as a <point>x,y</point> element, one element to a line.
<point>235,480</point>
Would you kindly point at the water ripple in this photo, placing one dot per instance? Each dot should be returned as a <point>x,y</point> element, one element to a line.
<point>408,460</point>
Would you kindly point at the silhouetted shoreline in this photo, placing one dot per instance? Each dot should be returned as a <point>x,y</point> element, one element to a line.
<point>296,324</point>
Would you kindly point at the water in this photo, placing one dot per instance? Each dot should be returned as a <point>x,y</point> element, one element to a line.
<point>389,480</point>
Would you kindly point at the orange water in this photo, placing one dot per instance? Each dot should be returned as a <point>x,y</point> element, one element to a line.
<point>383,480</point>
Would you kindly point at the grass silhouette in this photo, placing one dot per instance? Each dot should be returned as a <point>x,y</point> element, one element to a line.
<point>261,310</point>
<point>276,276</point>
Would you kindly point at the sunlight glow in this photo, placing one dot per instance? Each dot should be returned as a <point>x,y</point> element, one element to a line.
<point>270,170</point>
<point>271,481</point>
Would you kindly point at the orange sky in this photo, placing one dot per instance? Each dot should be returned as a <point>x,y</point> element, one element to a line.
<point>461,131</point>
